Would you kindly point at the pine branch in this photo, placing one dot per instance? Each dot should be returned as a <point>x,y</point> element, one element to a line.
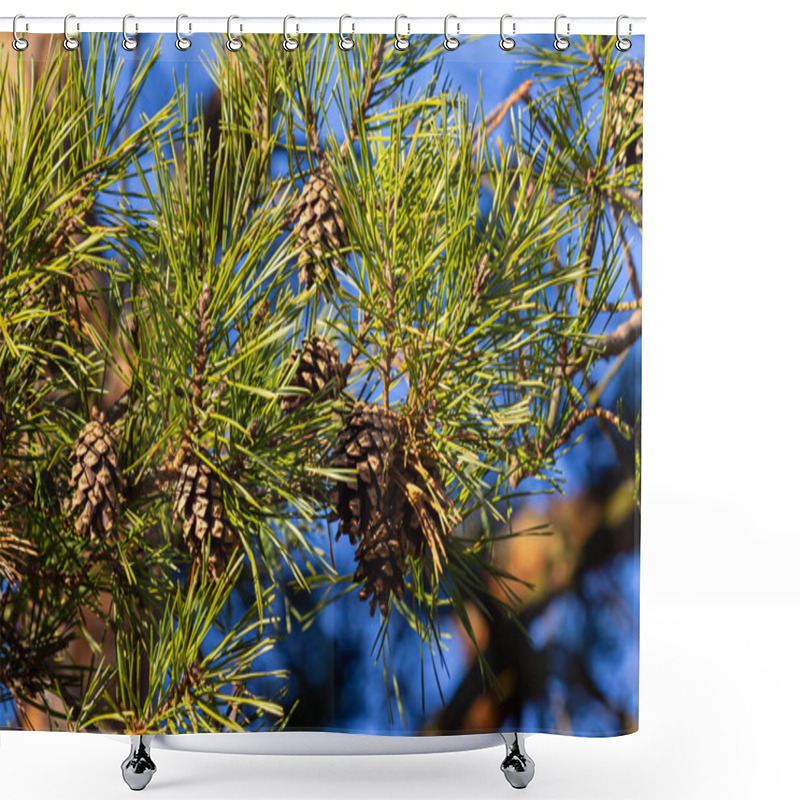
<point>616,342</point>
<point>370,81</point>
<point>580,416</point>
<point>613,308</point>
<point>633,277</point>
<point>498,114</point>
<point>625,335</point>
<point>176,305</point>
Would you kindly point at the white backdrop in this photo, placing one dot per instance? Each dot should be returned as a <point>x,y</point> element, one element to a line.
<point>720,703</point>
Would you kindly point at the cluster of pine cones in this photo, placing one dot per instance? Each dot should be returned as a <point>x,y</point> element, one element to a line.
<point>198,501</point>
<point>395,503</point>
<point>390,510</point>
<point>392,506</point>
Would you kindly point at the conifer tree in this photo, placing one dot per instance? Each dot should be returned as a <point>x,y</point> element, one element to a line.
<point>336,304</point>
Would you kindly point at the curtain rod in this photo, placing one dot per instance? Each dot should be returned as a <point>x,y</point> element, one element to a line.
<point>458,26</point>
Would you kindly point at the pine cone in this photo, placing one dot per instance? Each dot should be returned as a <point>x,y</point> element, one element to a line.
<point>319,372</point>
<point>381,564</point>
<point>396,504</point>
<point>95,480</point>
<point>366,444</point>
<point>422,520</point>
<point>14,550</point>
<point>200,507</point>
<point>318,224</point>
<point>628,91</point>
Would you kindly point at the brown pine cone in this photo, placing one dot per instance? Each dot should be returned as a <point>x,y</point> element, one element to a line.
<point>422,520</point>
<point>95,481</point>
<point>366,444</point>
<point>199,505</point>
<point>319,372</point>
<point>394,507</point>
<point>626,103</point>
<point>318,224</point>
<point>381,564</point>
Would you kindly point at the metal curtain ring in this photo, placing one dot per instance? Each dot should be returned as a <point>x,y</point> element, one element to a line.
<point>233,44</point>
<point>623,42</point>
<point>129,42</point>
<point>401,42</point>
<point>289,44</point>
<point>561,43</point>
<point>19,44</point>
<point>70,43</point>
<point>507,42</point>
<point>346,42</point>
<point>181,42</point>
<point>450,42</point>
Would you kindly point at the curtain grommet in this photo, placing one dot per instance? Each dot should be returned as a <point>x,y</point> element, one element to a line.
<point>451,43</point>
<point>234,43</point>
<point>19,43</point>
<point>70,42</point>
<point>401,43</point>
<point>129,42</point>
<point>623,42</point>
<point>289,44</point>
<point>507,43</point>
<point>181,42</point>
<point>561,43</point>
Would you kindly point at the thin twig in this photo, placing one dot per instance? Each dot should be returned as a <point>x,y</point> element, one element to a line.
<point>480,278</point>
<point>617,341</point>
<point>370,82</point>
<point>633,277</point>
<point>312,134</point>
<point>610,345</point>
<point>579,417</point>
<point>498,113</point>
<point>612,308</point>
<point>587,252</point>
<point>356,347</point>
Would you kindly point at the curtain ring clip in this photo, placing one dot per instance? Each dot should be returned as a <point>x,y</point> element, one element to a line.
<point>129,42</point>
<point>234,44</point>
<point>561,43</point>
<point>19,44</point>
<point>507,42</point>
<point>181,42</point>
<point>623,42</point>
<point>401,43</point>
<point>346,42</point>
<point>70,42</point>
<point>451,42</point>
<point>289,44</point>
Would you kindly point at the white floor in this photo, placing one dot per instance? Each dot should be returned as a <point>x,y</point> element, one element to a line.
<point>720,709</point>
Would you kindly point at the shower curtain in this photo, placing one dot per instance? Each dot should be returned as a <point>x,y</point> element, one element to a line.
<point>320,385</point>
